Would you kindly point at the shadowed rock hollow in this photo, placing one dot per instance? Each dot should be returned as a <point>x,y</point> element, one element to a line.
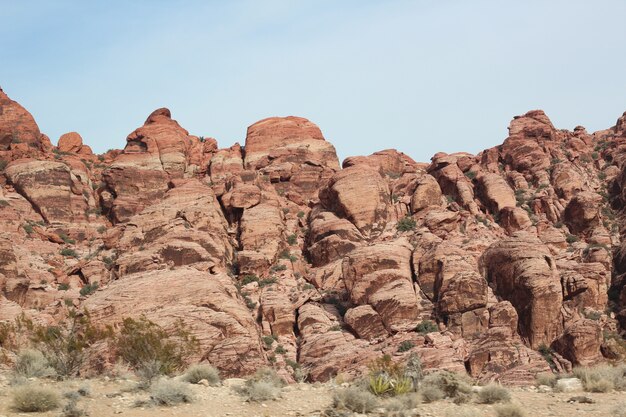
<point>511,251</point>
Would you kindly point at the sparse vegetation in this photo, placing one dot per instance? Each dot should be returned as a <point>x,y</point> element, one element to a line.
<point>405,224</point>
<point>546,378</point>
<point>66,346</point>
<point>170,392</point>
<point>69,252</point>
<point>509,410</point>
<point>431,394</point>
<point>32,363</point>
<point>571,238</point>
<point>355,398</point>
<point>292,239</point>
<point>89,289</point>
<point>426,326</point>
<point>151,350</point>
<point>453,385</point>
<point>31,398</point>
<point>406,346</point>
<point>602,378</point>
<point>197,373</point>
<point>470,175</point>
<point>493,393</point>
<point>264,385</point>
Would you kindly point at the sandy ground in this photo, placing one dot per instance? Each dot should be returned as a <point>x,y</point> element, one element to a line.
<point>115,397</point>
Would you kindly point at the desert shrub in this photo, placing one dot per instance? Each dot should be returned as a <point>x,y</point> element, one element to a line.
<point>260,391</point>
<point>68,252</point>
<point>67,239</point>
<point>354,398</point>
<point>406,346</point>
<point>602,378</point>
<point>32,363</point>
<point>264,385</point>
<point>431,393</point>
<point>3,203</point>
<point>71,409</point>
<point>268,340</point>
<point>405,224</point>
<point>426,326</point>
<point>66,345</point>
<point>493,393</point>
<point>170,392</point>
<point>151,350</point>
<point>280,350</point>
<point>453,385</point>
<point>247,279</point>
<point>89,289</point>
<point>546,378</point>
<point>197,373</point>
<point>401,406</point>
<point>509,410</point>
<point>31,398</point>
<point>292,239</point>
<point>571,238</point>
<point>3,164</point>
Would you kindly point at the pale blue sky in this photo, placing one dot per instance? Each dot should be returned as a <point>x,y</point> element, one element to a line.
<point>418,76</point>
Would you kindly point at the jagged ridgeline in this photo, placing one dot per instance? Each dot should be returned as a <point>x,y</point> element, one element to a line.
<point>503,264</point>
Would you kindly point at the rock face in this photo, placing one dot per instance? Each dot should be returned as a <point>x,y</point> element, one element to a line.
<point>473,262</point>
<point>521,270</point>
<point>17,126</point>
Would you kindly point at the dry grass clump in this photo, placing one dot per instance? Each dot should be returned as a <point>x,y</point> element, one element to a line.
<point>264,385</point>
<point>170,392</point>
<point>401,406</point>
<point>30,398</point>
<point>454,386</point>
<point>32,363</point>
<point>197,373</point>
<point>493,393</point>
<point>546,378</point>
<point>509,410</point>
<point>431,393</point>
<point>355,398</point>
<point>602,378</point>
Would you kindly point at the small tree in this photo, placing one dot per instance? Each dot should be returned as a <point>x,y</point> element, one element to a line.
<point>66,346</point>
<point>151,350</point>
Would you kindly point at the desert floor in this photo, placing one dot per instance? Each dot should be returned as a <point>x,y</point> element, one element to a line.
<point>113,397</point>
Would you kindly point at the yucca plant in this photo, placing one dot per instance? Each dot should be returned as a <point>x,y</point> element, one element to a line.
<point>380,384</point>
<point>402,386</point>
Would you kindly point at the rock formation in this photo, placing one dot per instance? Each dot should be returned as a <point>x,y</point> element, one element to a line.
<point>474,262</point>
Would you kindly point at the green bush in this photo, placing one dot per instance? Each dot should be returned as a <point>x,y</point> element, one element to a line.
<point>280,350</point>
<point>66,345</point>
<point>406,346</point>
<point>89,289</point>
<point>405,224</point>
<point>69,252</point>
<point>571,239</point>
<point>31,398</point>
<point>197,373</point>
<point>426,326</point>
<point>292,239</point>
<point>151,350</point>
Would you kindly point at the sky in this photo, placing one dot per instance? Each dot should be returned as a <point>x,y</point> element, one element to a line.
<point>419,76</point>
